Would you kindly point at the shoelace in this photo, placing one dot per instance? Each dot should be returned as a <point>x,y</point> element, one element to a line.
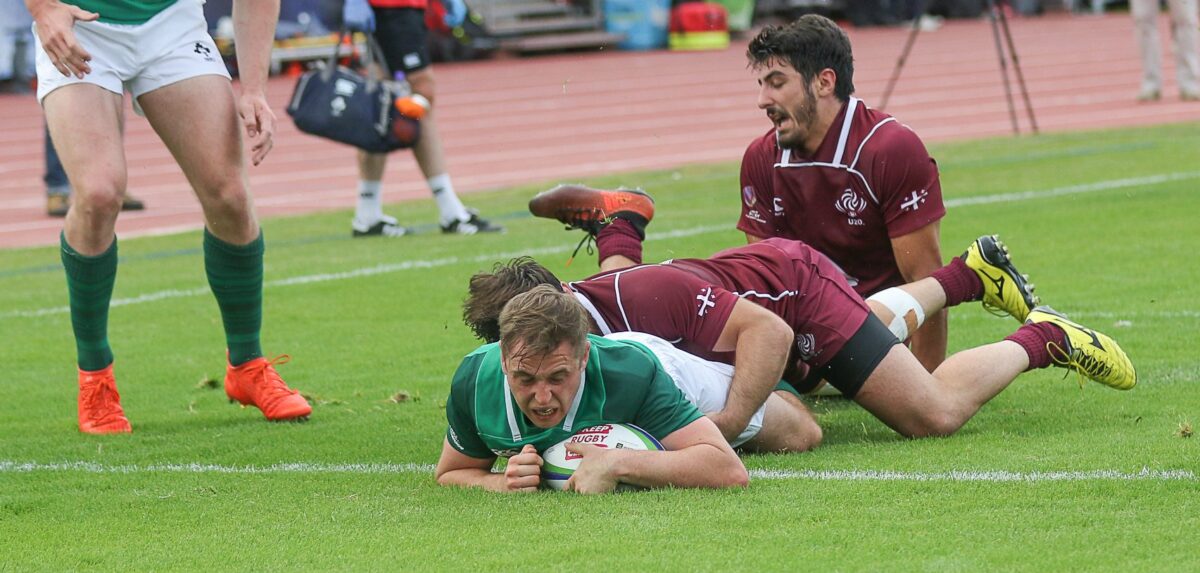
<point>589,222</point>
<point>272,381</point>
<point>1067,361</point>
<point>100,398</point>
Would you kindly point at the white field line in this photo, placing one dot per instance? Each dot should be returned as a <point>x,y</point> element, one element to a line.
<point>427,264</point>
<point>992,476</point>
<point>356,273</point>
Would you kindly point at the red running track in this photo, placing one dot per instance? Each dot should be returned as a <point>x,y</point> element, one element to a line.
<point>524,121</point>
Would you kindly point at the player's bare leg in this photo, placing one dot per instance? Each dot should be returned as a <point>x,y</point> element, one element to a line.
<point>788,426</point>
<point>454,216</point>
<point>85,123</point>
<point>198,121</point>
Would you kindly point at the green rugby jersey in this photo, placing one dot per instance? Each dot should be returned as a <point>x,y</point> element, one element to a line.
<point>125,12</point>
<point>623,382</point>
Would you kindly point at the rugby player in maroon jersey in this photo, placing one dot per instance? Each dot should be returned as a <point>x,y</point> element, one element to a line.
<point>780,309</point>
<point>848,180</point>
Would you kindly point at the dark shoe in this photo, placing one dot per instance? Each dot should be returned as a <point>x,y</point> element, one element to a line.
<point>131,203</point>
<point>472,225</point>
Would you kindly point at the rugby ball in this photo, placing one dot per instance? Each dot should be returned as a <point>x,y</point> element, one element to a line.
<point>559,464</point>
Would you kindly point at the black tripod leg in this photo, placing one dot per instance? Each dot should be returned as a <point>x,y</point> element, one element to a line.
<point>908,45</point>
<point>994,14</point>
<point>1012,51</point>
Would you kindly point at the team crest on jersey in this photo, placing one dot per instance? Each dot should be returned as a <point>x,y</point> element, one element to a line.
<point>506,453</point>
<point>851,205</point>
<point>748,195</point>
<point>914,201</point>
<point>806,345</point>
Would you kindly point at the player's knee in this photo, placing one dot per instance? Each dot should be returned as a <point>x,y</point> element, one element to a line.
<point>934,424</point>
<point>97,196</point>
<point>226,195</point>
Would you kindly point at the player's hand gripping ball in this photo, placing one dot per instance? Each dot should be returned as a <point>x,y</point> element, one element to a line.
<point>561,464</point>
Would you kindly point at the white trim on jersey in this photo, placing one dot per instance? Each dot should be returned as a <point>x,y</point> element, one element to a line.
<point>508,408</point>
<point>845,134</point>
<point>774,297</point>
<point>569,421</point>
<point>620,304</point>
<point>858,153</point>
<point>591,309</point>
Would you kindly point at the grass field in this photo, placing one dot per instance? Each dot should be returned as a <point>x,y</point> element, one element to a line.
<point>1048,477</point>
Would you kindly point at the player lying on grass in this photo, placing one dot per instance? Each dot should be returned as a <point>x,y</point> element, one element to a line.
<point>785,310</point>
<point>560,380</point>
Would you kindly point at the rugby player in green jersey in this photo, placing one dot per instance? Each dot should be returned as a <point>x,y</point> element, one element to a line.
<point>89,53</point>
<point>548,378</point>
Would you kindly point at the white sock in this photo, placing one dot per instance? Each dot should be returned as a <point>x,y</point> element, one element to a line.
<point>447,201</point>
<point>370,201</point>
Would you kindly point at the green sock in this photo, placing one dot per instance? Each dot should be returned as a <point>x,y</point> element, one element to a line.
<point>235,274</point>
<point>89,287</point>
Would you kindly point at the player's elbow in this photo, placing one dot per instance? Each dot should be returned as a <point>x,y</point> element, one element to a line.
<point>732,473</point>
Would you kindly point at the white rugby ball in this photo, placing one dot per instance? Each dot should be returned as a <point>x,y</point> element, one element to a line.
<point>559,464</point>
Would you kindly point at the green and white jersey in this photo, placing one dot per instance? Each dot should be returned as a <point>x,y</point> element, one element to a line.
<point>126,12</point>
<point>623,382</point>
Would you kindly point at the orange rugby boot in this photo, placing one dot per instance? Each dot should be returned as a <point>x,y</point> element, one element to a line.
<point>99,403</point>
<point>581,207</point>
<point>257,383</point>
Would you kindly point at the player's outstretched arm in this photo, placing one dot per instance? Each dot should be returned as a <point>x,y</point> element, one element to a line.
<point>523,473</point>
<point>697,456</point>
<point>761,341</point>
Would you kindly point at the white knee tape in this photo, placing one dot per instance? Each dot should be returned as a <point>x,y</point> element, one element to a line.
<point>907,314</point>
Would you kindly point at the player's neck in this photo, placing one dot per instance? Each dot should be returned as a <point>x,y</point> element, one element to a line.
<point>828,109</point>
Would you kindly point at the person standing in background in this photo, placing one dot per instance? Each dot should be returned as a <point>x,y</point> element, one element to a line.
<point>399,28</point>
<point>1184,21</point>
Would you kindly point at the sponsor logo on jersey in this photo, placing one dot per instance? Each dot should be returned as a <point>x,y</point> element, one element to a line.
<point>506,453</point>
<point>748,195</point>
<point>754,215</point>
<point>851,205</point>
<point>778,207</point>
<point>806,345</point>
<point>914,201</point>
<point>706,301</point>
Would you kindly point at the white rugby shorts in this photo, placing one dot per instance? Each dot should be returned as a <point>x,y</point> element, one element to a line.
<point>704,383</point>
<point>172,46</point>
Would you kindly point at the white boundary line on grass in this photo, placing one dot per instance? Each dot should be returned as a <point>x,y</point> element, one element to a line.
<point>990,476</point>
<point>433,263</point>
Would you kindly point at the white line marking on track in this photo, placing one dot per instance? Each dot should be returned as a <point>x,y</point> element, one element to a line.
<point>427,264</point>
<point>989,476</point>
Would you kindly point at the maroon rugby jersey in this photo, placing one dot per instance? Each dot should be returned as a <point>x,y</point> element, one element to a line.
<point>871,180</point>
<point>688,301</point>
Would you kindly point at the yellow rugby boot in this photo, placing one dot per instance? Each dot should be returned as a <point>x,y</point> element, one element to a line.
<point>1005,291</point>
<point>1090,353</point>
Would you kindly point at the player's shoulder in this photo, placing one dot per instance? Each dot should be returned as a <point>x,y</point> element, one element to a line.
<point>624,361</point>
<point>882,133</point>
<point>472,364</point>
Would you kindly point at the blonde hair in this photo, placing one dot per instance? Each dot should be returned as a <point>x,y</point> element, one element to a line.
<point>543,318</point>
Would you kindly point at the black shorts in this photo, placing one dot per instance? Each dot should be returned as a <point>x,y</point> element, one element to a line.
<point>401,35</point>
<point>854,363</point>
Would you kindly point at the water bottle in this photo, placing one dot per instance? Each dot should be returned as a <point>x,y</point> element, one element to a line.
<point>410,108</point>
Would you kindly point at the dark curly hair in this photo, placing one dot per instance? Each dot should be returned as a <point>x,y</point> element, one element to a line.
<point>810,44</point>
<point>489,292</point>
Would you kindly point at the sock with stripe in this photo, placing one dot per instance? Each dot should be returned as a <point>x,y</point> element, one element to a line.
<point>235,274</point>
<point>90,283</point>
